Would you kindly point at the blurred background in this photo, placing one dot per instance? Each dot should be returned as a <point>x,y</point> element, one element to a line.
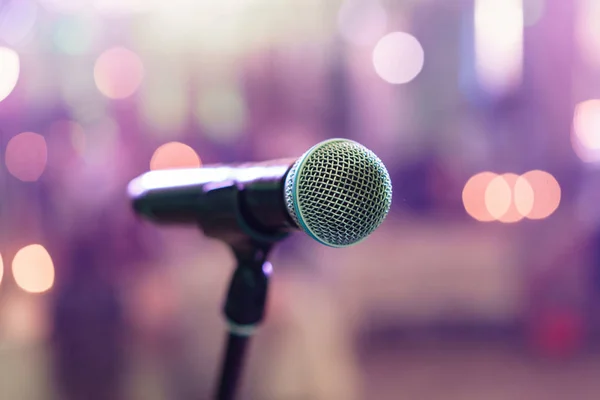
<point>483,282</point>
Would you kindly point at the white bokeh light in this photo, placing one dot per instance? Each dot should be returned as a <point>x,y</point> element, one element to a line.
<point>585,135</point>
<point>398,58</point>
<point>9,71</point>
<point>33,269</point>
<point>499,44</point>
<point>587,33</point>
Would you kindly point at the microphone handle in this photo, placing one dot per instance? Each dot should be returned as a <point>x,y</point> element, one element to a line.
<point>185,196</point>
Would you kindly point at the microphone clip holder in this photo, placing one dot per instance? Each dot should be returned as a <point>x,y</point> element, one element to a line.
<point>247,294</point>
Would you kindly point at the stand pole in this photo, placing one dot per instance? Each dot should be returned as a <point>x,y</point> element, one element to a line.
<point>244,310</point>
<point>232,366</point>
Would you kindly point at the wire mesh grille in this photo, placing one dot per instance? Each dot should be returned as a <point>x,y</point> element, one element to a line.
<point>338,192</point>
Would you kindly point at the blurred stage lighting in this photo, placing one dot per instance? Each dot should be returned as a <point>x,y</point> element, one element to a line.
<point>499,45</point>
<point>585,136</point>
<point>547,194</point>
<point>362,22</point>
<point>174,155</point>
<point>17,20</point>
<point>509,198</point>
<point>498,197</point>
<point>473,196</point>
<point>26,156</point>
<point>524,196</point>
<point>9,71</point>
<point>118,73</point>
<point>33,269</point>
<point>520,199</point>
<point>398,58</point>
<point>587,33</point>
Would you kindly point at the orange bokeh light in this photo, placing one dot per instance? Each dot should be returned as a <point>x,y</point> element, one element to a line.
<point>174,155</point>
<point>33,269</point>
<point>10,67</point>
<point>547,194</point>
<point>509,197</point>
<point>473,196</point>
<point>26,156</point>
<point>498,197</point>
<point>522,197</point>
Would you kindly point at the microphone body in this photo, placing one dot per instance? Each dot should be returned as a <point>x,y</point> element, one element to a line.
<point>192,196</point>
<point>337,192</point>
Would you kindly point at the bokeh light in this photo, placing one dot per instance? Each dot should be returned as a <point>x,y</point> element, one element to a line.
<point>473,196</point>
<point>174,155</point>
<point>362,22</point>
<point>499,44</point>
<point>26,156</point>
<point>17,20</point>
<point>33,269</point>
<point>520,200</point>
<point>398,57</point>
<point>547,194</point>
<point>9,71</point>
<point>587,32</point>
<point>509,197</point>
<point>523,196</point>
<point>118,73</point>
<point>585,136</point>
<point>221,113</point>
<point>498,197</point>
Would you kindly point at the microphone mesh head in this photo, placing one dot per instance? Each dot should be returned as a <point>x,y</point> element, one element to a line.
<point>338,192</point>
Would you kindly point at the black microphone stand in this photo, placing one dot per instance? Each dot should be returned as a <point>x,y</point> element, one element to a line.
<point>245,302</point>
<point>244,310</point>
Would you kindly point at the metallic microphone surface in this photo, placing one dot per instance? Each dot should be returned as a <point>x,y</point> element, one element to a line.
<point>338,192</point>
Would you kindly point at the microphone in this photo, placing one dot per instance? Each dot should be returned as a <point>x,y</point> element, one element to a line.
<point>338,192</point>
